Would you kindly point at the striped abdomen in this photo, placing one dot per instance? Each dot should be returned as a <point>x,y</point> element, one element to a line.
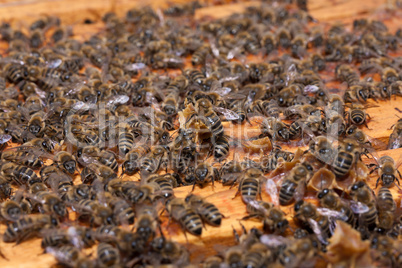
<point>342,164</point>
<point>191,221</point>
<point>210,214</point>
<point>286,192</point>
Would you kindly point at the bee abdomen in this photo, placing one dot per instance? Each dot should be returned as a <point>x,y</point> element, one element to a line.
<point>286,192</point>
<point>342,164</point>
<point>192,222</point>
<point>212,215</point>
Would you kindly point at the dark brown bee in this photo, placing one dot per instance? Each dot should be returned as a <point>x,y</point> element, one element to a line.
<point>66,161</point>
<point>250,185</point>
<point>388,171</point>
<point>169,251</point>
<point>147,223</point>
<point>345,73</point>
<point>209,212</point>
<point>347,155</point>
<point>5,188</point>
<point>27,227</point>
<point>200,55</point>
<point>294,183</point>
<point>23,158</point>
<point>77,236</point>
<point>185,215</point>
<point>357,115</point>
<point>362,193</point>
<point>329,199</point>
<point>268,43</point>
<point>10,211</point>
<point>395,139</point>
<point>308,216</point>
<point>275,129</point>
<point>203,174</point>
<point>131,164</point>
<point>19,174</point>
<point>107,255</point>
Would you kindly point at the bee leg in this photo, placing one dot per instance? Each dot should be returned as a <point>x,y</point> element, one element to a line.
<point>400,176</point>
<point>235,234</point>
<point>237,193</point>
<point>249,217</point>
<point>376,184</point>
<point>24,237</point>
<point>192,189</point>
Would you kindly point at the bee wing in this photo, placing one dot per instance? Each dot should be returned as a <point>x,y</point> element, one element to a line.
<point>395,141</point>
<point>117,100</point>
<point>135,66</point>
<point>317,230</point>
<point>358,207</point>
<point>300,190</point>
<point>272,191</point>
<point>4,138</point>
<point>332,214</point>
<point>398,162</point>
<point>274,240</point>
<point>229,114</point>
<point>85,160</point>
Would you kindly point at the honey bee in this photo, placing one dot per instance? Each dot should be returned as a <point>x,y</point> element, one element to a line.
<point>80,237</point>
<point>250,185</point>
<point>209,212</point>
<point>155,159</point>
<point>275,129</point>
<point>322,149</point>
<point>94,211</point>
<point>10,211</point>
<point>200,55</point>
<point>348,153</point>
<point>268,43</point>
<point>345,73</point>
<point>19,174</point>
<point>131,163</point>
<point>395,139</point>
<point>27,158</point>
<point>388,170</point>
<point>168,251</point>
<point>276,156</point>
<point>308,215</point>
<point>203,174</point>
<point>189,220</point>
<point>107,255</point>
<point>27,227</point>
<point>386,208</point>
<point>147,223</point>
<point>329,199</point>
<point>357,115</point>
<point>5,188</point>
<point>66,161</point>
<point>293,184</point>
<point>362,193</point>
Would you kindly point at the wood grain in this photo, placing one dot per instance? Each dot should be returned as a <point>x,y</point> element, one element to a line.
<point>29,254</point>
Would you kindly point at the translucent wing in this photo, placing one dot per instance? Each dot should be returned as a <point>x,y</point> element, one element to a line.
<point>4,138</point>
<point>317,230</point>
<point>332,213</point>
<point>358,207</point>
<point>272,190</point>
<point>273,240</point>
<point>229,114</point>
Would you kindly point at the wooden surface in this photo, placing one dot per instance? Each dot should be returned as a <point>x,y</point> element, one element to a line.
<point>28,254</point>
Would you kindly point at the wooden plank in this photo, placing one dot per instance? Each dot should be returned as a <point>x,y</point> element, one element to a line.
<point>75,11</point>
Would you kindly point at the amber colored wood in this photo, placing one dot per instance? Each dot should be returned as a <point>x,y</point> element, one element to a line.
<point>214,239</point>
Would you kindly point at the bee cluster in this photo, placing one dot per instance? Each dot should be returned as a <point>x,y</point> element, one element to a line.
<point>106,109</point>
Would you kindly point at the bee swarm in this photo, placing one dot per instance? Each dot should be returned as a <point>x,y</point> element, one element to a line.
<point>146,143</point>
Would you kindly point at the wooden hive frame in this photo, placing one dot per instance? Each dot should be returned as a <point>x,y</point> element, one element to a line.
<point>28,254</point>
